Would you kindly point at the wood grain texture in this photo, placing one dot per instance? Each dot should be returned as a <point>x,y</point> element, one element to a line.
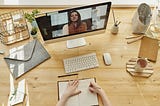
<point>121,88</point>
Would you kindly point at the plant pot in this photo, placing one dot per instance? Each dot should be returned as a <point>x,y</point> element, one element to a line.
<point>34,24</point>
<point>34,32</point>
<point>34,36</point>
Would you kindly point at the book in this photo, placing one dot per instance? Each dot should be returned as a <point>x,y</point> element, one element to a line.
<point>85,98</point>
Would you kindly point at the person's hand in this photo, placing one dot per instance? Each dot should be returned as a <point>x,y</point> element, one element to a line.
<point>94,87</point>
<point>71,89</point>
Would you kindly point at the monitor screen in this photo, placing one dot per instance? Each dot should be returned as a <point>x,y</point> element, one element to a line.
<point>70,23</point>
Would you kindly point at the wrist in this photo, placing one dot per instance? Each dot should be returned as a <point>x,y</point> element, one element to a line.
<point>62,101</point>
<point>101,92</point>
<point>65,97</point>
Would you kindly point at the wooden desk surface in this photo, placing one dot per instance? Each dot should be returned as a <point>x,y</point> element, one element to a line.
<point>121,88</point>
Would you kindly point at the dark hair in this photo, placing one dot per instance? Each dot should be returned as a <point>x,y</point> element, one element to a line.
<point>69,17</point>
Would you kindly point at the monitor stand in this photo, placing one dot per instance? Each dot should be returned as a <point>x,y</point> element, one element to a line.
<point>76,42</point>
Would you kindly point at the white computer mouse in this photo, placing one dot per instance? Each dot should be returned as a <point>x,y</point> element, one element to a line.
<point>1,52</point>
<point>107,58</point>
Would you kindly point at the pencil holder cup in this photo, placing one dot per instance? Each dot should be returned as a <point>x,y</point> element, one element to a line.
<point>114,29</point>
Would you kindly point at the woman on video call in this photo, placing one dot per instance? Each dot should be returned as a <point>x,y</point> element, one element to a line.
<point>75,25</point>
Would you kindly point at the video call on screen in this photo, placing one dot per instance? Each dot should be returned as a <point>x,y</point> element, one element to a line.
<point>54,24</point>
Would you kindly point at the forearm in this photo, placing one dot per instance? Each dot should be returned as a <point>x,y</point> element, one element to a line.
<point>104,98</point>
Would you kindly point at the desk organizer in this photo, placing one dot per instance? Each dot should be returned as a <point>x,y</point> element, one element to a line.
<point>13,27</point>
<point>145,73</point>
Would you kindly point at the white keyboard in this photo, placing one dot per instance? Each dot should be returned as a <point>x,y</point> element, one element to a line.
<point>79,63</point>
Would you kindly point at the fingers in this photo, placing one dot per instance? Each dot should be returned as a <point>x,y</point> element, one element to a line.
<point>91,89</point>
<point>69,83</point>
<point>77,92</point>
<point>73,83</point>
<point>94,87</point>
<point>93,84</point>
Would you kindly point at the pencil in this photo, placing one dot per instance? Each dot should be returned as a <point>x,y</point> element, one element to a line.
<point>118,23</point>
<point>67,75</point>
<point>113,17</point>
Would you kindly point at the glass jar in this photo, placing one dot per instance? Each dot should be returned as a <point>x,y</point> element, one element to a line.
<point>155,26</point>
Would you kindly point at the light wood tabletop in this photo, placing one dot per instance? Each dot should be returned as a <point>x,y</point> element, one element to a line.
<point>121,88</point>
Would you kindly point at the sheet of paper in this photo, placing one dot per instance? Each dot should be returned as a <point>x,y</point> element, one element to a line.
<point>9,26</point>
<point>16,17</point>
<point>27,96</point>
<point>11,89</point>
<point>16,94</point>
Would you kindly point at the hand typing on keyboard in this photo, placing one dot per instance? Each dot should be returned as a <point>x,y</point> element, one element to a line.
<point>79,63</point>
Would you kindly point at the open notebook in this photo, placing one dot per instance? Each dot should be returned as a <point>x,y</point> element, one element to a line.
<point>85,98</point>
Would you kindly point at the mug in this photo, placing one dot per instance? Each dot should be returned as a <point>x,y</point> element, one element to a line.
<point>141,64</point>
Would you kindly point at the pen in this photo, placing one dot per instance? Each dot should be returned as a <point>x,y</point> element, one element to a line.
<point>130,37</point>
<point>134,40</point>
<point>67,75</point>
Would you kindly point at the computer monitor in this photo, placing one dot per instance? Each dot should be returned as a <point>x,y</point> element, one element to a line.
<point>74,23</point>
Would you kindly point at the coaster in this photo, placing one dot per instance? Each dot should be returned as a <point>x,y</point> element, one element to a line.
<point>145,73</point>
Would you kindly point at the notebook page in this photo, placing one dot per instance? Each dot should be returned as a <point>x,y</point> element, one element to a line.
<point>86,98</point>
<point>72,101</point>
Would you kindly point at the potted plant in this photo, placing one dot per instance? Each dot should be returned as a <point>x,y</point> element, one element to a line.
<point>31,16</point>
<point>31,19</point>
